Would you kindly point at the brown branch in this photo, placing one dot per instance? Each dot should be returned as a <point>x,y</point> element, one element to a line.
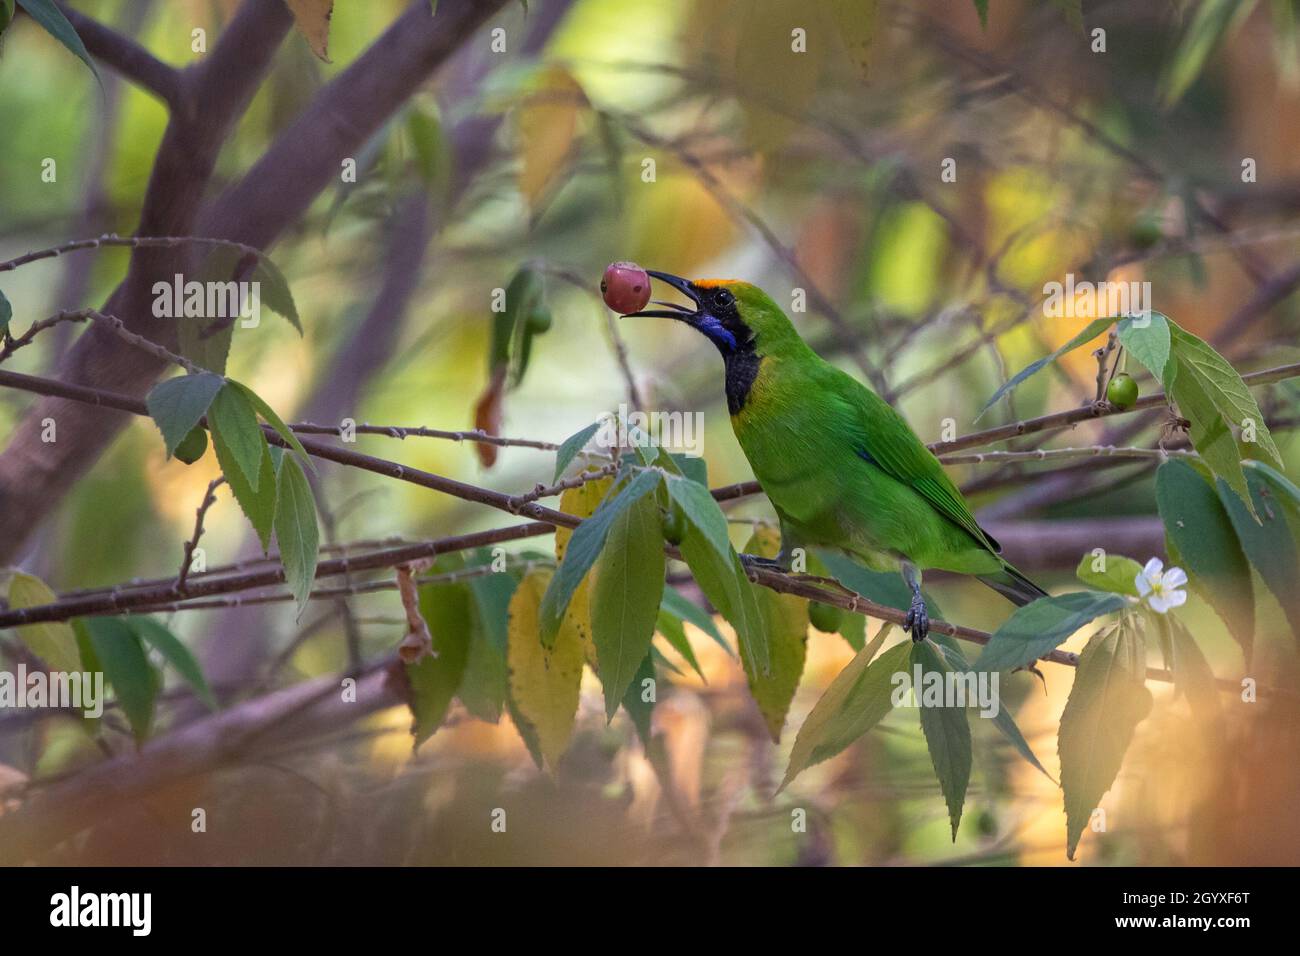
<point>128,58</point>
<point>209,499</point>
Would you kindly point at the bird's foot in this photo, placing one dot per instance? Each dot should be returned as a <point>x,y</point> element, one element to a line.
<point>917,620</point>
<point>754,561</point>
<point>1032,668</point>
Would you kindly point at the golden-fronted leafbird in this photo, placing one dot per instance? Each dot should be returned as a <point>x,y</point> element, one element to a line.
<point>841,467</point>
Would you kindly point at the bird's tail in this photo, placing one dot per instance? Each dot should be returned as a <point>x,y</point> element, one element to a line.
<point>1013,586</point>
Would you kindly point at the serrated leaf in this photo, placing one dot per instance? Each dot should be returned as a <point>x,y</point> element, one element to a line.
<point>1209,433</point>
<point>625,598</point>
<point>483,689</point>
<point>1090,332</point>
<point>274,420</point>
<point>1147,339</point>
<point>684,610</point>
<point>583,547</point>
<point>296,533</point>
<point>1118,574</point>
<point>258,505</point>
<point>634,701</point>
<point>232,419</point>
<point>544,681</point>
<point>727,586</point>
<point>1208,549</point>
<point>175,653</point>
<point>1267,543</point>
<point>702,512</point>
<point>1003,719</point>
<point>859,698</point>
<point>947,732</point>
<point>178,404</point>
<point>54,642</point>
<point>127,669</point>
<point>1041,625</point>
<point>786,618</point>
<point>570,447</point>
<point>1193,677</point>
<point>56,25</point>
<point>1108,700</point>
<point>435,679</point>
<point>672,631</point>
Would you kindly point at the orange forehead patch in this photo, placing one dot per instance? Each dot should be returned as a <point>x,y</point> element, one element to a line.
<point>714,283</point>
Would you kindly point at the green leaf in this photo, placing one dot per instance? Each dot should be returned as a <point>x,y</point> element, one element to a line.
<point>727,586</point>
<point>1226,390</point>
<point>54,642</point>
<point>273,291</point>
<point>1212,21</point>
<point>521,295</point>
<point>1003,720</point>
<point>178,404</point>
<point>1108,700</point>
<point>786,620</point>
<point>701,511</point>
<point>1193,677</point>
<point>1203,536</point>
<point>434,680</point>
<point>634,699</point>
<point>693,468</point>
<point>175,653</point>
<point>858,699</point>
<point>1209,433</point>
<point>982,8</point>
<point>233,420</point>
<point>56,25</point>
<point>1036,628</point>
<point>258,505</point>
<point>1147,339</point>
<point>570,447</point>
<point>583,549</point>
<point>1118,574</point>
<point>1090,332</point>
<point>127,669</point>
<point>625,599</point>
<point>274,420</point>
<point>684,610</point>
<point>296,533</point>
<point>947,732</point>
<point>1267,543</point>
<point>6,314</point>
<point>675,634</point>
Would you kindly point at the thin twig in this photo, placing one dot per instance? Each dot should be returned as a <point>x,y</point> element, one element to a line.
<point>209,499</point>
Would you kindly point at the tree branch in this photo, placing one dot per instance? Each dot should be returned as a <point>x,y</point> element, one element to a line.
<point>128,58</point>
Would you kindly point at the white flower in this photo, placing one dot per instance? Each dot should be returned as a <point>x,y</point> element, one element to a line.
<point>1160,587</point>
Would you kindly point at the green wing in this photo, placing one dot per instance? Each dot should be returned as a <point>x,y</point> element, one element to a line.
<point>885,440</point>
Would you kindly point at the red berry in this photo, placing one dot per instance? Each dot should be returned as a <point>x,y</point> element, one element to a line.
<point>626,287</point>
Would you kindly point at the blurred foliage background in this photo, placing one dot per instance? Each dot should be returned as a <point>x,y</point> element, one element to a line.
<point>817,170</point>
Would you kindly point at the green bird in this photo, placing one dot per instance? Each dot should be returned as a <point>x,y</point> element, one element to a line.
<point>842,468</point>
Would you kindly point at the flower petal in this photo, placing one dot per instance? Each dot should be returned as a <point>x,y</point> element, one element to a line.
<point>1176,598</point>
<point>1153,567</point>
<point>1159,604</point>
<point>1143,585</point>
<point>1175,578</point>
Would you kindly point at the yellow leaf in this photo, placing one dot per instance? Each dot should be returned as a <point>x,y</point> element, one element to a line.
<point>581,502</point>
<point>544,682</point>
<point>547,124</point>
<point>52,641</point>
<point>313,20</point>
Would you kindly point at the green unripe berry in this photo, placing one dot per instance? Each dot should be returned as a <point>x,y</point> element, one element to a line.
<point>1146,231</point>
<point>192,446</point>
<point>539,320</point>
<point>1122,392</point>
<point>674,524</point>
<point>827,618</point>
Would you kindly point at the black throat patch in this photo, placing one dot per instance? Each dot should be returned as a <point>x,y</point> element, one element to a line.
<point>742,368</point>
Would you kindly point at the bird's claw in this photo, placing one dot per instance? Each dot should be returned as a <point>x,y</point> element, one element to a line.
<point>917,620</point>
<point>1032,668</point>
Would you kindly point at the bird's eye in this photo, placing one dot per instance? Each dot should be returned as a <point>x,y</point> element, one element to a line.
<point>723,297</point>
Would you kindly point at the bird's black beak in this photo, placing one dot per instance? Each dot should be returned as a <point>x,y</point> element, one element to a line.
<point>672,310</point>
